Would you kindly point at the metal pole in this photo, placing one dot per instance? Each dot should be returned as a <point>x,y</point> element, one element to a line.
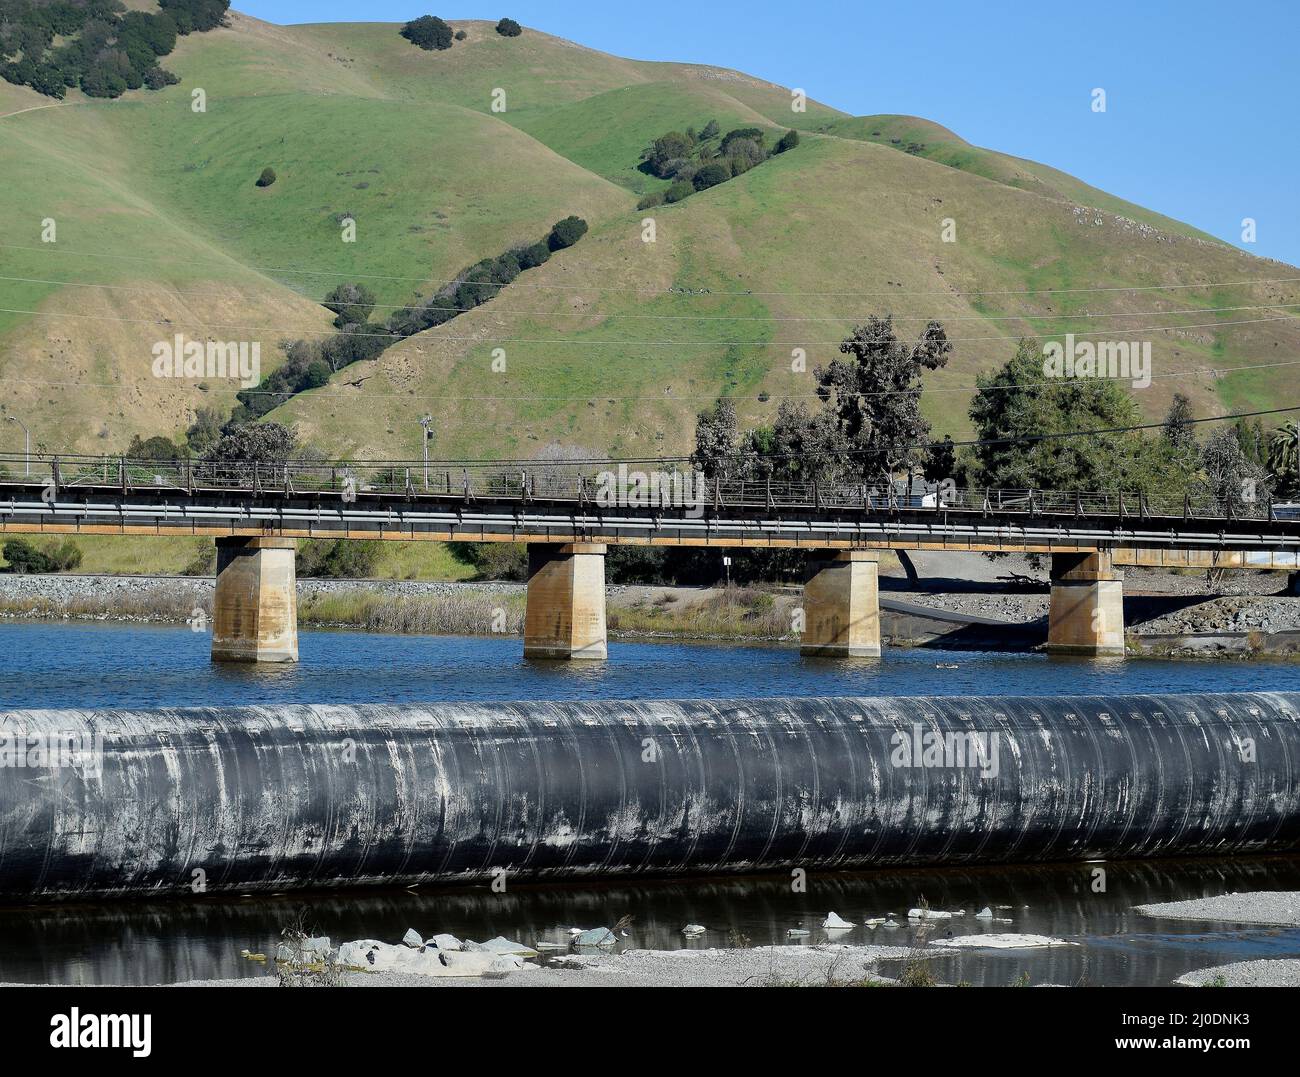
<point>424,424</point>
<point>27,444</point>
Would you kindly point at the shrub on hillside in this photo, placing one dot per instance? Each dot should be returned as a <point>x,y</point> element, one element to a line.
<point>654,198</point>
<point>752,134</point>
<point>667,153</point>
<point>351,303</point>
<point>336,559</point>
<point>96,45</point>
<point>460,35</point>
<point>492,560</point>
<point>710,176</point>
<point>263,442</point>
<point>679,190</point>
<point>566,233</point>
<point>745,153</point>
<point>155,78</point>
<point>788,141</point>
<point>532,256</point>
<point>429,32</point>
<point>154,448</point>
<point>509,28</point>
<point>25,558</point>
<point>266,178</point>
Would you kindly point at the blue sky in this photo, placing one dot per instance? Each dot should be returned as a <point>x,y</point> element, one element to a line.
<point>1203,98</point>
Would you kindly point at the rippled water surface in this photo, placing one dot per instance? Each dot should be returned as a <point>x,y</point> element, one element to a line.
<point>73,665</point>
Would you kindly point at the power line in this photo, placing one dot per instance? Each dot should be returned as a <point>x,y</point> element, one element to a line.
<point>352,275</point>
<point>1027,438</point>
<point>661,397</point>
<point>481,339</point>
<point>494,309</point>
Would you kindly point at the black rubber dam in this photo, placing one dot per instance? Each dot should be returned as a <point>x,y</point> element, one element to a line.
<point>118,803</point>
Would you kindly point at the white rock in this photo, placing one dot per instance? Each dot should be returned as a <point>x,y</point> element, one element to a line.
<point>834,922</point>
<point>413,939</point>
<point>353,954</point>
<point>597,936</point>
<point>928,914</point>
<point>875,921</point>
<point>443,942</point>
<point>984,914</point>
<point>502,945</point>
<point>797,933</point>
<point>383,957</point>
<point>693,930</point>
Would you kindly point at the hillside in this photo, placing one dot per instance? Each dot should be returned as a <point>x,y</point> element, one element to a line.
<point>614,343</point>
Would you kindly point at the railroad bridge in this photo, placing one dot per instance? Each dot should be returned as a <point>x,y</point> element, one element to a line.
<point>569,514</point>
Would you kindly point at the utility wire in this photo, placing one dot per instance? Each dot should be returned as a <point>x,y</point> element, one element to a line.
<point>162,382</point>
<point>494,309</point>
<point>352,275</point>
<point>494,340</point>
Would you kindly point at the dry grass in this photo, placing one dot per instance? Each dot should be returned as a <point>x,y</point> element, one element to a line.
<point>745,612</point>
<point>457,614</point>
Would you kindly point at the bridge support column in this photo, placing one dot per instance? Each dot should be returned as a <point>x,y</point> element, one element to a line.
<point>841,603</point>
<point>1086,616</point>
<point>255,608</point>
<point>565,617</point>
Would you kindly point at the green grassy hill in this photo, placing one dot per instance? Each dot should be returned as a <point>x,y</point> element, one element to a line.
<point>613,344</point>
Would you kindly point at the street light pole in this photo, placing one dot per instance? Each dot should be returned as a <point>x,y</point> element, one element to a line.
<point>27,444</point>
<point>427,435</point>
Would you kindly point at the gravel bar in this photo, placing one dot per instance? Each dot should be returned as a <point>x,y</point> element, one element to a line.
<point>1259,907</point>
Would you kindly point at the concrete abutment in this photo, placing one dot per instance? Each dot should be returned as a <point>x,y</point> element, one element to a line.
<point>565,616</point>
<point>841,605</point>
<point>255,606</point>
<point>1086,615</point>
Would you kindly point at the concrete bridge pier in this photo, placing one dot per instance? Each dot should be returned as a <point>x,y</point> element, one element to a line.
<point>1086,616</point>
<point>841,605</point>
<point>565,617</point>
<point>255,607</point>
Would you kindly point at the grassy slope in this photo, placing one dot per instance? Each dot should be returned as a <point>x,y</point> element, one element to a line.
<point>356,120</point>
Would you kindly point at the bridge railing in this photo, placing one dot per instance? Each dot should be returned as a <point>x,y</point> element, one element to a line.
<point>590,485</point>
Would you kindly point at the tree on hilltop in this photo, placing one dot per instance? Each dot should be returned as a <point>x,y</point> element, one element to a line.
<point>429,32</point>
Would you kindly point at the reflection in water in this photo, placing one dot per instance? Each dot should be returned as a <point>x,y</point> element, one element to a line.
<point>173,941</point>
<point>80,665</point>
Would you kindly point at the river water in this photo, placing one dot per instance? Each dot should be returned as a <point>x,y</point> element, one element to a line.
<point>104,666</point>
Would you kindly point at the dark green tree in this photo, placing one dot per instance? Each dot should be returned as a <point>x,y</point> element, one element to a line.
<point>875,396</point>
<point>351,304</point>
<point>429,32</point>
<point>566,233</point>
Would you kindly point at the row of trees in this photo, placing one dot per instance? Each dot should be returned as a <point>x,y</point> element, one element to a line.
<point>309,363</point>
<point>96,45</point>
<point>696,161</point>
<point>869,428</point>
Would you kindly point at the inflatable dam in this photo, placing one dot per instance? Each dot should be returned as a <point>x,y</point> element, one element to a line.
<point>123,803</point>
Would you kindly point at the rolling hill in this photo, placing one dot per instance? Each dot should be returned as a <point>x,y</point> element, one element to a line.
<point>614,343</point>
